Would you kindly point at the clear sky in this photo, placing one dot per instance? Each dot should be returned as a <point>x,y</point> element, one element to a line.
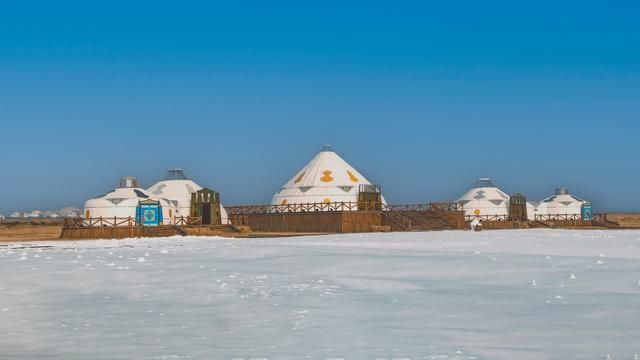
<point>421,97</point>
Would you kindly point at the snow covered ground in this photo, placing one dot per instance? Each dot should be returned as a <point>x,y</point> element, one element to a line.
<point>531,294</point>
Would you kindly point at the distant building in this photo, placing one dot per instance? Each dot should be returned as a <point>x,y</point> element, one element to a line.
<point>2,217</point>
<point>16,215</point>
<point>35,214</point>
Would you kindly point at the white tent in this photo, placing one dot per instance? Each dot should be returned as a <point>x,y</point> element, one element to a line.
<point>326,178</point>
<point>177,188</point>
<point>16,214</point>
<point>2,217</point>
<point>561,203</point>
<point>35,214</point>
<point>123,201</point>
<point>485,199</point>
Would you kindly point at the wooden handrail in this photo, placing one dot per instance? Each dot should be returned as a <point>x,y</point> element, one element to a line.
<point>339,206</point>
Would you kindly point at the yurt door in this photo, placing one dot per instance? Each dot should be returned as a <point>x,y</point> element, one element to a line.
<point>206,214</point>
<point>150,214</point>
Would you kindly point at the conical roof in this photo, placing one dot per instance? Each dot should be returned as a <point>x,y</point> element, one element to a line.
<point>326,178</point>
<point>485,199</point>
<point>175,174</point>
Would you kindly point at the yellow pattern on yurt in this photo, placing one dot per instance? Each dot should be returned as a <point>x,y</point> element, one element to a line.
<point>327,176</point>
<point>299,178</point>
<point>87,214</point>
<point>352,177</point>
<point>284,202</point>
<point>476,211</point>
<point>326,200</point>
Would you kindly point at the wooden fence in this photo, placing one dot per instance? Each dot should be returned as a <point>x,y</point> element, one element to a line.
<point>440,207</point>
<point>124,222</point>
<point>558,217</point>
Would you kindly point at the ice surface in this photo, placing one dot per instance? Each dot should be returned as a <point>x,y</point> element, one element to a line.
<point>436,295</point>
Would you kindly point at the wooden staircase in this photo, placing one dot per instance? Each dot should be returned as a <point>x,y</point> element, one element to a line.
<point>604,222</point>
<point>162,231</point>
<point>415,220</point>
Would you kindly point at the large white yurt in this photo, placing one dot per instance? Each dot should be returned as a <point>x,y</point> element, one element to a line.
<point>123,201</point>
<point>327,178</point>
<point>561,203</point>
<point>485,199</point>
<point>177,188</point>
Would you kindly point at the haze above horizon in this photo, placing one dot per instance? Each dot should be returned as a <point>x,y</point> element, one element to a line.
<point>422,98</point>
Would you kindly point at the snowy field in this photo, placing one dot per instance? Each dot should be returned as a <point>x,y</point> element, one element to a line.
<point>531,294</point>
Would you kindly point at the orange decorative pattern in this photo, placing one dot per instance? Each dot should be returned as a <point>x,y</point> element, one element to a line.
<point>284,202</point>
<point>299,178</point>
<point>326,200</point>
<point>352,177</point>
<point>327,176</point>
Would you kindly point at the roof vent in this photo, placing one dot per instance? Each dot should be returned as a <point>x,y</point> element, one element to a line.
<point>175,174</point>
<point>327,148</point>
<point>484,183</point>
<point>128,182</point>
<point>562,191</point>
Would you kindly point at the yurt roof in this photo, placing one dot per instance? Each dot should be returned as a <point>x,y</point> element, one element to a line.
<point>124,195</point>
<point>175,184</point>
<point>485,190</point>
<point>562,195</point>
<point>175,174</point>
<point>327,174</point>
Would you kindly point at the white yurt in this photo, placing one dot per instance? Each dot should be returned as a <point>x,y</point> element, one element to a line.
<point>35,214</point>
<point>2,217</point>
<point>327,178</point>
<point>16,215</point>
<point>561,203</point>
<point>123,201</point>
<point>485,199</point>
<point>177,188</point>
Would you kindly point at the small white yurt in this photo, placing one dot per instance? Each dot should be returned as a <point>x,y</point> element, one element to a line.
<point>177,188</point>
<point>485,199</point>
<point>327,178</point>
<point>560,204</point>
<point>36,214</point>
<point>2,217</point>
<point>16,215</point>
<point>123,201</point>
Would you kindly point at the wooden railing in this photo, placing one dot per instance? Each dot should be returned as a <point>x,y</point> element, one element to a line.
<point>124,221</point>
<point>558,217</point>
<point>486,217</point>
<point>542,218</point>
<point>100,222</point>
<point>187,220</point>
<point>440,207</point>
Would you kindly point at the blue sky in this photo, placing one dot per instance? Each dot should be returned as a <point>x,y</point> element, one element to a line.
<point>421,97</point>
